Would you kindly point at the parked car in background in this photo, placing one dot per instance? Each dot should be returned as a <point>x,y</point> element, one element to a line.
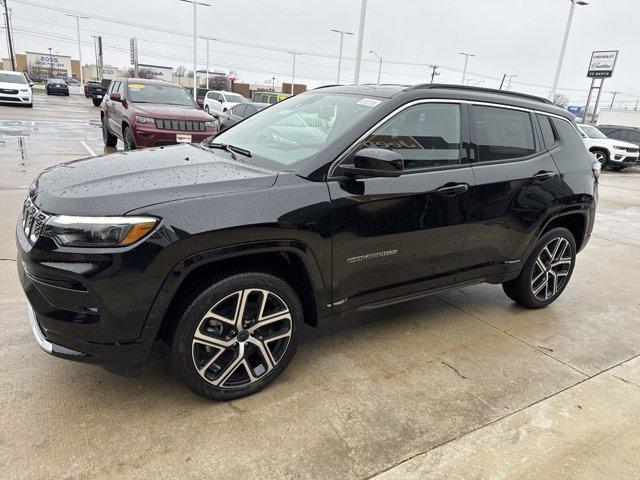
<point>97,91</point>
<point>57,86</point>
<point>224,250</point>
<point>72,81</point>
<point>87,85</point>
<point>239,112</point>
<point>15,88</point>
<point>612,153</point>
<point>219,101</point>
<point>626,134</point>
<point>146,113</point>
<point>269,97</point>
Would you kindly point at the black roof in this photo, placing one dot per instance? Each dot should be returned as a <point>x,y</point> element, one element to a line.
<point>460,92</point>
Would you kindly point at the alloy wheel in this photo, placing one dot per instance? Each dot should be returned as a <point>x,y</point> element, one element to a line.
<point>242,338</point>
<point>551,269</point>
<point>600,157</point>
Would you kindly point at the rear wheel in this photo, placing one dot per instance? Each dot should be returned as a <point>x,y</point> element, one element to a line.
<point>546,272</point>
<point>109,139</point>
<point>96,102</point>
<point>129,141</point>
<point>237,335</point>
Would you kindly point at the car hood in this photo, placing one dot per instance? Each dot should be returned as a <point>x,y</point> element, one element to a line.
<point>13,86</point>
<point>159,110</point>
<point>119,183</point>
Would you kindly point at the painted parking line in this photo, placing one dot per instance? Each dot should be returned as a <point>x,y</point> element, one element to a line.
<point>88,148</point>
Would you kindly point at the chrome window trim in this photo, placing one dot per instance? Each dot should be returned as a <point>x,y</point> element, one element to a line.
<point>343,155</point>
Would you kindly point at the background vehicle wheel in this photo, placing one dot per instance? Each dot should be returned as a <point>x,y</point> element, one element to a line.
<point>206,108</point>
<point>96,102</point>
<point>129,141</point>
<point>602,157</point>
<point>108,138</point>
<point>237,335</point>
<point>546,272</point>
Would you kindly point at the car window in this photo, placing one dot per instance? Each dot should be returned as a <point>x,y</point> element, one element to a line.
<point>426,135</point>
<point>12,78</point>
<point>567,133</point>
<point>633,136</point>
<point>502,133</point>
<point>548,133</point>
<point>238,110</point>
<point>115,86</point>
<point>162,93</point>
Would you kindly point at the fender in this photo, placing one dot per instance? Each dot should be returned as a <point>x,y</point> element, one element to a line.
<point>563,213</point>
<point>179,272</point>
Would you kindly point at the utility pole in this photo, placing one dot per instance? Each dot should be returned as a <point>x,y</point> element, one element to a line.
<point>208,69</point>
<point>509,82</point>
<point>78,17</point>
<point>434,71</point>
<point>342,34</point>
<point>7,22</point>
<point>379,65</point>
<point>466,61</point>
<point>363,14</point>
<point>293,72</point>
<point>637,102</point>
<point>50,62</point>
<point>614,98</point>
<point>97,47</point>
<point>502,82</point>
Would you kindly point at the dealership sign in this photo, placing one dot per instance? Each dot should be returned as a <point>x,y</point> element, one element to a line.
<point>602,63</point>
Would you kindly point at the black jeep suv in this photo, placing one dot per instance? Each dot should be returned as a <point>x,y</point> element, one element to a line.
<point>340,199</point>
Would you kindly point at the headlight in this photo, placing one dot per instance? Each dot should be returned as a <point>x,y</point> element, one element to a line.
<point>97,231</point>
<point>144,119</point>
<point>619,147</point>
<point>211,124</point>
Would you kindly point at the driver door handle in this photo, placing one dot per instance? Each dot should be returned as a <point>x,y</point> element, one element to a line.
<point>544,175</point>
<point>451,189</point>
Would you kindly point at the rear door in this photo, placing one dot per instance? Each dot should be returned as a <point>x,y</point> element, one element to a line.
<point>111,108</point>
<point>398,236</point>
<point>517,187</point>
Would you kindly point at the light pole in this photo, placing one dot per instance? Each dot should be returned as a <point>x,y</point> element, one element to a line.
<point>466,61</point>
<point>293,72</point>
<point>564,44</point>
<point>208,71</point>
<point>342,34</point>
<point>195,43</point>
<point>379,64</point>
<point>509,82</point>
<point>9,39</point>
<point>363,14</point>
<point>78,17</point>
<point>614,98</point>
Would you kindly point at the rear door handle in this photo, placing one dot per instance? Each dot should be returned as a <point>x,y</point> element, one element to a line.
<point>544,175</point>
<point>453,189</point>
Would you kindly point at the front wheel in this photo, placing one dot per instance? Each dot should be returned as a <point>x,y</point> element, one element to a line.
<point>109,139</point>
<point>602,158</point>
<point>546,272</point>
<point>237,336</point>
<point>129,141</point>
<point>96,102</point>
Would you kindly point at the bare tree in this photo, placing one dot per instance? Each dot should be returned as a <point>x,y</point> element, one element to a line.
<point>560,100</point>
<point>147,73</point>
<point>218,82</point>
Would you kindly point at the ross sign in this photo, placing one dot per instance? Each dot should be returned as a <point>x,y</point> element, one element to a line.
<point>602,63</point>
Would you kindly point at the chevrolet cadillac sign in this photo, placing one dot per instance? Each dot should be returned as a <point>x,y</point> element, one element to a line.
<point>602,63</point>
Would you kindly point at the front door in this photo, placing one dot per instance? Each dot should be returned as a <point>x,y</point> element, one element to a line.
<point>398,236</point>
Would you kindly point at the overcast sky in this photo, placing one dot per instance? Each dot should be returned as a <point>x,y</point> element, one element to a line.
<point>519,37</point>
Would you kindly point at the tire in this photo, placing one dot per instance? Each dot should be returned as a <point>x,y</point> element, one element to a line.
<point>548,275</point>
<point>129,141</point>
<point>601,156</point>
<point>221,372</point>
<point>96,102</point>
<point>206,109</point>
<point>109,139</point>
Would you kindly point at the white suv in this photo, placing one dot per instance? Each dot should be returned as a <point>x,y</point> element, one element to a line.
<point>216,101</point>
<point>610,152</point>
<point>15,88</point>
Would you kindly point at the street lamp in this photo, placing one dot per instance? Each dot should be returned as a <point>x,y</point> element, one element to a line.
<point>78,17</point>
<point>466,61</point>
<point>293,72</point>
<point>379,64</point>
<point>342,34</point>
<point>195,43</point>
<point>564,44</point>
<point>208,71</point>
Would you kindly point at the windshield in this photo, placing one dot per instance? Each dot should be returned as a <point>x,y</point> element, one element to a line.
<point>235,98</point>
<point>12,78</point>
<point>158,93</point>
<point>592,132</point>
<point>290,132</point>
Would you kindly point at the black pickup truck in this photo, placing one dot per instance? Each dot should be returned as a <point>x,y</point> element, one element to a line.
<point>97,91</point>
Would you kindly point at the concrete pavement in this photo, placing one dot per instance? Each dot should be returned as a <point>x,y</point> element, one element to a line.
<point>461,384</point>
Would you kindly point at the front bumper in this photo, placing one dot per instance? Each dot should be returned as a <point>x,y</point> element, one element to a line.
<point>150,136</point>
<point>58,90</point>
<point>23,98</point>
<point>623,157</point>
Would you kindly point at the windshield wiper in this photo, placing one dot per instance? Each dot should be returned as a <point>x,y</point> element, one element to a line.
<point>230,148</point>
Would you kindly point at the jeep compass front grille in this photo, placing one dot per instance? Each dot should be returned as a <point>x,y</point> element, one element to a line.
<point>32,220</point>
<point>184,125</point>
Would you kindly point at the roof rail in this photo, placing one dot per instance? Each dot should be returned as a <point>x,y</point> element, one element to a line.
<point>481,90</point>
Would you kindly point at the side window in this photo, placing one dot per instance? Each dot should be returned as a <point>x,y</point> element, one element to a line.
<point>238,110</point>
<point>634,136</point>
<point>426,135</point>
<point>115,86</point>
<point>568,135</point>
<point>121,88</point>
<point>548,133</point>
<point>502,133</point>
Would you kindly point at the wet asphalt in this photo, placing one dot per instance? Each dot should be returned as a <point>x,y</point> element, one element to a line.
<point>459,385</point>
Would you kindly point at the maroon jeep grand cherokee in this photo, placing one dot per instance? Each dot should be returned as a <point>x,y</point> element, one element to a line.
<point>146,113</point>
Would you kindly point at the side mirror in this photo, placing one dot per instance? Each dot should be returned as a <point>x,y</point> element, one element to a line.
<point>376,162</point>
<point>115,96</point>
